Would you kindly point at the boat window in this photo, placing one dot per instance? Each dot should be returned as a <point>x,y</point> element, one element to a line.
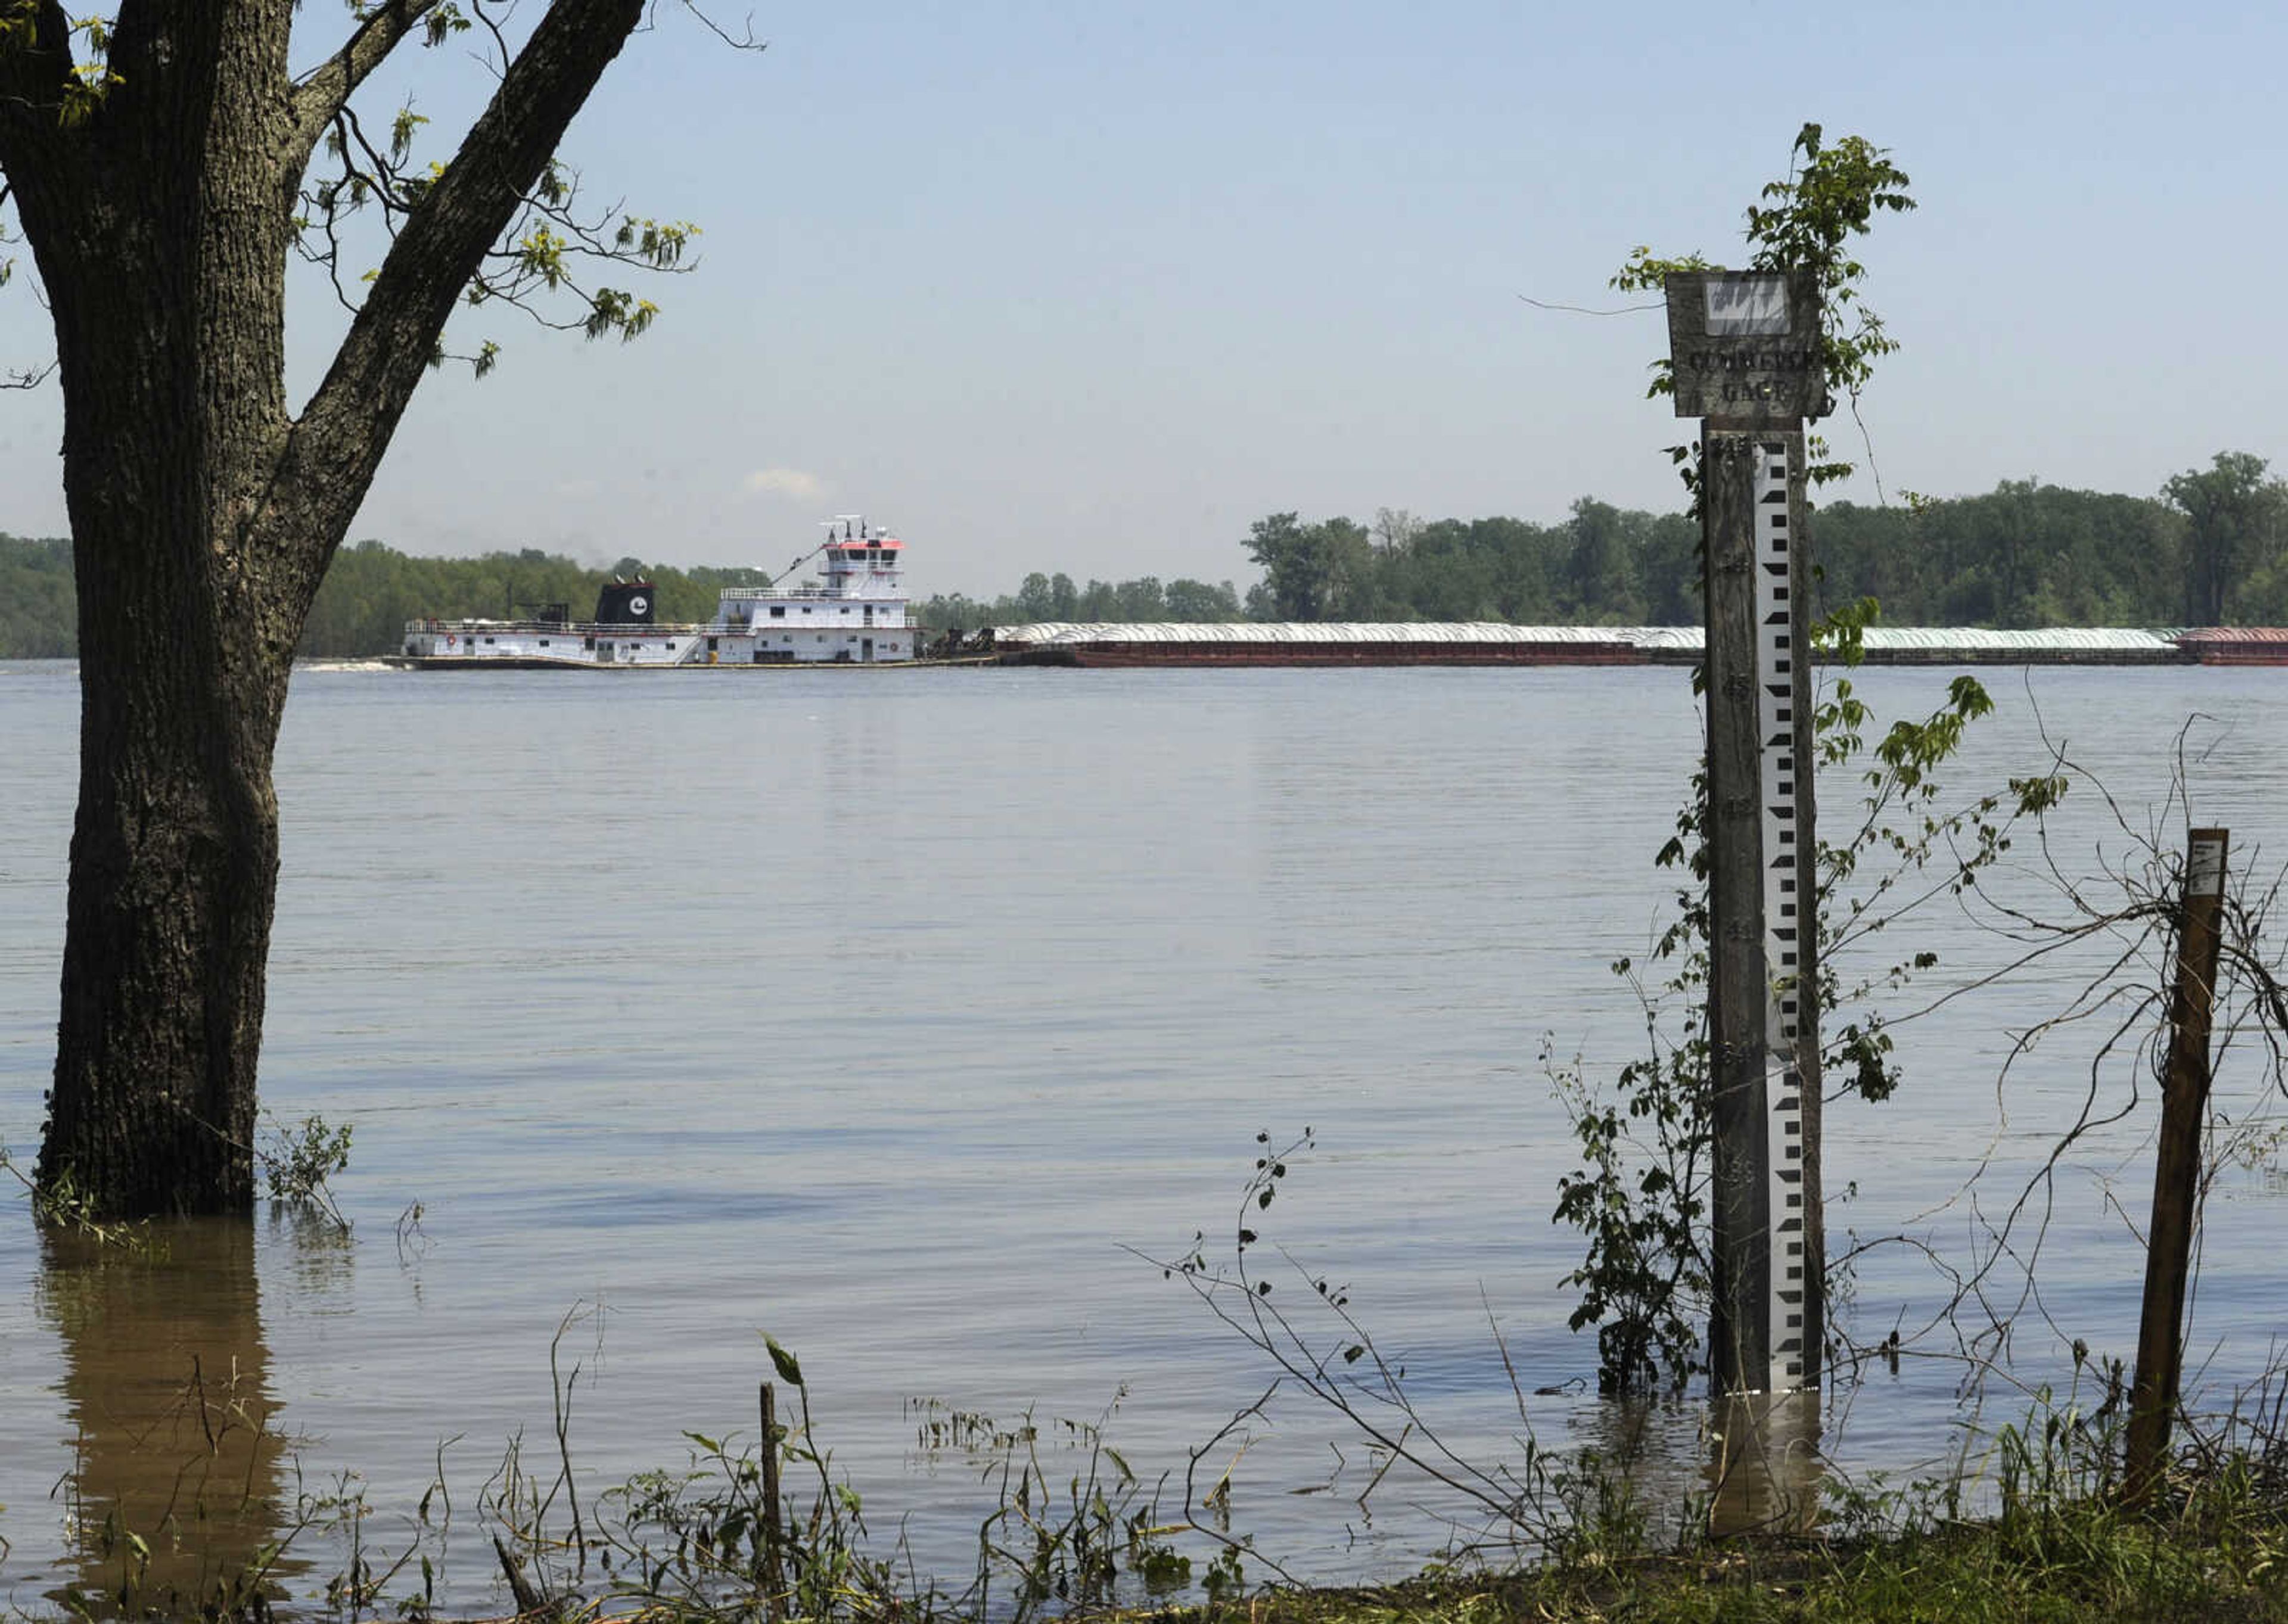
<point>778,612</point>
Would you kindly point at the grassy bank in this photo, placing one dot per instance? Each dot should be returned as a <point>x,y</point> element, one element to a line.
<point>2087,1563</point>
<point>2030,1523</point>
<point>2062,1547</point>
<point>704,1545</point>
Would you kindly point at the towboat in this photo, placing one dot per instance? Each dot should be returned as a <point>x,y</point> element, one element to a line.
<point>854,616</point>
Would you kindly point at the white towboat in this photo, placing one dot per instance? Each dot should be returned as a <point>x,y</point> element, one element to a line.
<point>855,616</point>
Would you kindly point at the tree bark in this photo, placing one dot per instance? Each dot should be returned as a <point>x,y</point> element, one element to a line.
<point>164,248</point>
<point>204,516</point>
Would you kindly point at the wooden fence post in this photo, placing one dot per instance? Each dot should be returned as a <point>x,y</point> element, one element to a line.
<point>2177,1168</point>
<point>773,1530</point>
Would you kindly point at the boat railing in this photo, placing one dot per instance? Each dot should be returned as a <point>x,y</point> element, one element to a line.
<point>590,628</point>
<point>747,594</point>
<point>581,628</point>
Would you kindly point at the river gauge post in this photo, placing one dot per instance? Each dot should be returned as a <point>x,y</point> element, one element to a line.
<point>1745,358</point>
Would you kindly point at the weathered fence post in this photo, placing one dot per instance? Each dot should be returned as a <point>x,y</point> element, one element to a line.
<point>2177,1167</point>
<point>773,1530</point>
<point>1744,354</point>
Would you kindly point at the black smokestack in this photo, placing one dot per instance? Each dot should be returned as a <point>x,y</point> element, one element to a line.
<point>625,602</point>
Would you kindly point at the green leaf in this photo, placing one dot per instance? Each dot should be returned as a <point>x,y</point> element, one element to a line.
<point>783,1362</point>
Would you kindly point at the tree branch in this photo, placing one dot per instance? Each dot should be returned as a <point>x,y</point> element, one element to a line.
<point>326,89</point>
<point>36,64</point>
<point>140,44</point>
<point>746,41</point>
<point>348,423</point>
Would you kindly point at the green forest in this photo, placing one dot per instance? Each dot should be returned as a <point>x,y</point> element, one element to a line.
<point>2210,548</point>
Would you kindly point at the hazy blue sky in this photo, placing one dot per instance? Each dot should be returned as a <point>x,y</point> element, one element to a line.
<point>1092,286</point>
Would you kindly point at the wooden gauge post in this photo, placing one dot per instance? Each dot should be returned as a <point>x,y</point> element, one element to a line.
<point>1745,358</point>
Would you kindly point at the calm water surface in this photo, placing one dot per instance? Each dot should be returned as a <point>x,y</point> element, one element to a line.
<point>885,1011</point>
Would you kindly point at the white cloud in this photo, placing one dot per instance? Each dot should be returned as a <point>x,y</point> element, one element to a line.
<point>786,482</point>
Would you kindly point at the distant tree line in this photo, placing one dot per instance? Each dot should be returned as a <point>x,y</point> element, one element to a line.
<point>1602,565</point>
<point>369,594</point>
<point>1056,598</point>
<point>39,612</point>
<point>2210,548</point>
<point>373,589</point>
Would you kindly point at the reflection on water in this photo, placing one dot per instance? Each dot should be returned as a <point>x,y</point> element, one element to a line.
<point>175,1485</point>
<point>1747,1464</point>
<point>1763,1467</point>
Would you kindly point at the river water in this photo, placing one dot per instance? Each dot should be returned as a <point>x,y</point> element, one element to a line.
<point>907,1015</point>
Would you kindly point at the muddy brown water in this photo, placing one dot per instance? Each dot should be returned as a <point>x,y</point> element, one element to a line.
<point>897,1017</point>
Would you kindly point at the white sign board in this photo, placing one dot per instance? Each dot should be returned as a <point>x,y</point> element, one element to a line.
<point>1745,307</point>
<point>2205,872</point>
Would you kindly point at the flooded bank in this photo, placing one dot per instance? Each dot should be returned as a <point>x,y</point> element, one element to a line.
<point>885,1018</point>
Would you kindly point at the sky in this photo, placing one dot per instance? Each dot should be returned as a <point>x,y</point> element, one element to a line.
<point>1092,286</point>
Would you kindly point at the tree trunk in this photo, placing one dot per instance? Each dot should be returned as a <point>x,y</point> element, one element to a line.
<point>174,422</point>
<point>204,516</point>
<point>174,867</point>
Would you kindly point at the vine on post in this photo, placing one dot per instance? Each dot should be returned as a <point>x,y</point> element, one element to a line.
<point>1806,221</point>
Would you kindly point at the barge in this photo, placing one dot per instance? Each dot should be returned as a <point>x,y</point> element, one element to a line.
<point>1312,643</point>
<point>2237,645</point>
<point>1493,643</point>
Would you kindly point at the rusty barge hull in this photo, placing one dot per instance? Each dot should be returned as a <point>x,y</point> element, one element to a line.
<point>1573,655</point>
<point>2237,645</point>
<point>1502,644</point>
<point>1963,656</point>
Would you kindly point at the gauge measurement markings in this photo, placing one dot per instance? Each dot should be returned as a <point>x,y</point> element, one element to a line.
<point>1784,915</point>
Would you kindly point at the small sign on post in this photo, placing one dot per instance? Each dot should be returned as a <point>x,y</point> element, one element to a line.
<point>1743,345</point>
<point>1744,354</point>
